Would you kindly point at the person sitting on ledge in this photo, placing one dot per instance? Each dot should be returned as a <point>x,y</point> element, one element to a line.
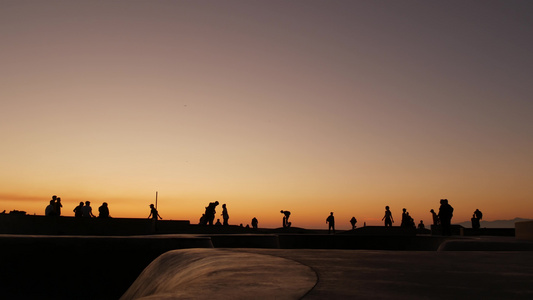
<point>87,210</point>
<point>49,211</point>
<point>103,211</point>
<point>78,211</point>
<point>421,225</point>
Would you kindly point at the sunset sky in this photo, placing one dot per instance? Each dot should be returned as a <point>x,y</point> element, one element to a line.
<point>307,106</point>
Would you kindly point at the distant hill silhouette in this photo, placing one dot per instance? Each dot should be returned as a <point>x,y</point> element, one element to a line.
<point>495,224</point>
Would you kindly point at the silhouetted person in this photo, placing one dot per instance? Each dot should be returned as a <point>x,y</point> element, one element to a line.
<point>218,222</point>
<point>203,220</point>
<point>476,218</point>
<point>331,222</point>
<point>154,215</point>
<point>388,217</point>
<point>254,223</point>
<point>478,214</point>
<point>410,222</point>
<point>210,212</point>
<point>103,211</point>
<point>286,215</point>
<point>87,210</point>
<point>445,216</point>
<point>404,219</point>
<point>225,215</point>
<point>407,221</point>
<point>78,210</point>
<point>421,225</point>
<point>353,221</point>
<point>435,217</point>
<point>50,209</point>
<point>57,206</point>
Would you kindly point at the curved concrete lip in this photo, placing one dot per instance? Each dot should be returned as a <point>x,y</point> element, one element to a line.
<point>222,274</point>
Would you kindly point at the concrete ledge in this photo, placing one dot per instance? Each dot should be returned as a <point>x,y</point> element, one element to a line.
<point>382,231</point>
<point>524,230</point>
<point>480,245</point>
<point>245,241</point>
<point>381,242</point>
<point>23,224</point>
<point>488,232</point>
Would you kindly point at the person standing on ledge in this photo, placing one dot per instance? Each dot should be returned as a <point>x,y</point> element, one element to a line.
<point>331,222</point>
<point>57,206</point>
<point>225,215</point>
<point>353,221</point>
<point>388,217</point>
<point>445,216</point>
<point>210,211</point>
<point>435,217</point>
<point>405,218</point>
<point>153,213</point>
<point>254,223</point>
<point>476,218</point>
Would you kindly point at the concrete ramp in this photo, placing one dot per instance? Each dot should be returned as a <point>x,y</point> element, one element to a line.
<point>221,274</point>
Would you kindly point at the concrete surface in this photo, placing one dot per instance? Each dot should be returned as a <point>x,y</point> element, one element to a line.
<point>221,274</point>
<point>369,274</point>
<point>335,274</point>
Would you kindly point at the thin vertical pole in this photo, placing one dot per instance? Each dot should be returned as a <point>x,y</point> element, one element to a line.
<point>155,199</point>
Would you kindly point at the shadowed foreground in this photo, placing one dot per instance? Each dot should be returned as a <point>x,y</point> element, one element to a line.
<point>150,267</point>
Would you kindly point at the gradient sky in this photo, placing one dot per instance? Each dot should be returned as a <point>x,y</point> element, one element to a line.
<point>306,106</point>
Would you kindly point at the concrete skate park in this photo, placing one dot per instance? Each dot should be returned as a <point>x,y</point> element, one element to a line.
<point>295,264</point>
